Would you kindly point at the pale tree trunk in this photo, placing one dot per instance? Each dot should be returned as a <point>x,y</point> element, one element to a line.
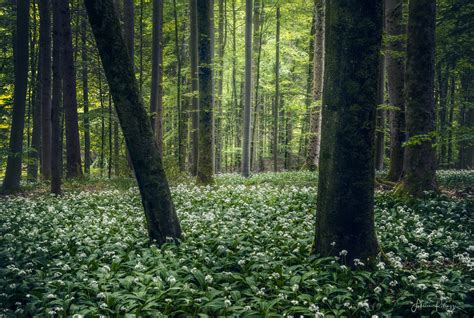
<point>256,47</point>
<point>205,156</point>
<point>318,71</point>
<point>345,218</point>
<point>162,221</point>
<point>20,65</point>
<point>248,89</point>
<point>276,103</point>
<point>395,64</point>
<point>220,81</point>
<point>193,51</point>
<point>419,172</point>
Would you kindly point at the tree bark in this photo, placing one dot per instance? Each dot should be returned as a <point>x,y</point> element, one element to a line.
<point>20,65</point>
<point>73,146</point>
<point>276,99</point>
<point>162,221</point>
<point>85,94</point>
<point>395,63</point>
<point>179,110</point>
<point>452,87</point>
<point>419,172</point>
<point>205,156</point>
<point>256,54</point>
<point>466,146</point>
<point>346,182</point>
<point>193,51</point>
<point>129,28</point>
<point>220,81</point>
<point>45,92</point>
<point>443,79</point>
<point>156,106</point>
<point>248,90</point>
<point>56,109</point>
<point>318,71</point>
<point>380,116</point>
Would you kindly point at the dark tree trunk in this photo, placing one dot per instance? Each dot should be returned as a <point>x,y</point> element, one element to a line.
<point>380,116</point>
<point>466,146</point>
<point>156,104</point>
<point>395,63</point>
<point>205,156</point>
<point>102,122</point>
<point>248,90</point>
<point>20,65</point>
<point>112,157</point>
<point>129,28</point>
<point>256,52</point>
<point>346,183</point>
<point>56,109</point>
<point>318,70</point>
<point>220,83</point>
<point>193,51</point>
<point>73,146</point>
<point>419,172</point>
<point>450,121</point>
<point>85,95</point>
<point>443,79</point>
<point>181,139</point>
<point>276,107</point>
<point>162,221</point>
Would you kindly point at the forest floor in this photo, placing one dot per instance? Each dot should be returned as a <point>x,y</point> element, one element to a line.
<point>245,253</point>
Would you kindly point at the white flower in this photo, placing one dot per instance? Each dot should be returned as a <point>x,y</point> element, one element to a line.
<point>101,295</point>
<point>171,280</point>
<point>333,244</point>
<point>294,302</point>
<point>208,279</point>
<point>393,283</point>
<point>363,304</point>
<point>377,290</point>
<point>343,253</point>
<point>381,265</point>
<point>103,305</point>
<point>313,307</point>
<point>51,296</point>
<point>227,303</point>
<point>357,262</point>
<point>421,286</point>
<point>411,278</point>
<point>295,287</point>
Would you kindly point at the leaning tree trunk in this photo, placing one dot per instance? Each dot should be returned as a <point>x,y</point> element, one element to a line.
<point>73,146</point>
<point>395,64</point>
<point>419,173</point>
<point>248,90</point>
<point>56,109</point>
<point>318,69</point>
<point>20,65</point>
<point>205,156</point>
<point>345,211</point>
<point>162,221</point>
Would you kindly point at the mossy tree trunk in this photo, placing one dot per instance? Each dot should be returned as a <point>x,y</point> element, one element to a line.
<point>419,173</point>
<point>345,210</point>
<point>205,156</point>
<point>395,63</point>
<point>162,221</point>
<point>20,65</point>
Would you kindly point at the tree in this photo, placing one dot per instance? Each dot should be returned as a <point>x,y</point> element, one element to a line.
<point>318,69</point>
<point>380,117</point>
<point>206,144</point>
<point>73,146</point>
<point>156,105</point>
<point>56,109</point>
<point>345,208</point>
<point>162,221</point>
<point>419,173</point>
<point>395,63</point>
<point>276,99</point>
<point>85,95</point>
<point>20,56</point>
<point>248,89</point>
<point>193,51</point>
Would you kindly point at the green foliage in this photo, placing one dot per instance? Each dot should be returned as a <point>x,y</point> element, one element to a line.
<point>246,253</point>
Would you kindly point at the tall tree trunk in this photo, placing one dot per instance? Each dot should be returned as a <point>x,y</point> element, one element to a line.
<point>220,84</point>
<point>73,146</point>
<point>102,122</point>
<point>181,140</point>
<point>141,48</point>
<point>162,221</point>
<point>312,158</point>
<point>85,95</point>
<point>20,65</point>
<point>380,116</point>
<point>112,156</point>
<point>466,146</point>
<point>395,63</point>
<point>156,106</point>
<point>193,51</point>
<point>35,103</point>
<point>56,109</point>
<point>205,156</point>
<point>450,121</point>
<point>256,54</point>
<point>276,99</point>
<point>346,182</point>
<point>248,90</point>
<point>129,28</point>
<point>443,80</point>
<point>419,172</point>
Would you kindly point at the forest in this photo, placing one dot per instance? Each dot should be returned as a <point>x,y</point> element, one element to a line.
<point>236,158</point>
